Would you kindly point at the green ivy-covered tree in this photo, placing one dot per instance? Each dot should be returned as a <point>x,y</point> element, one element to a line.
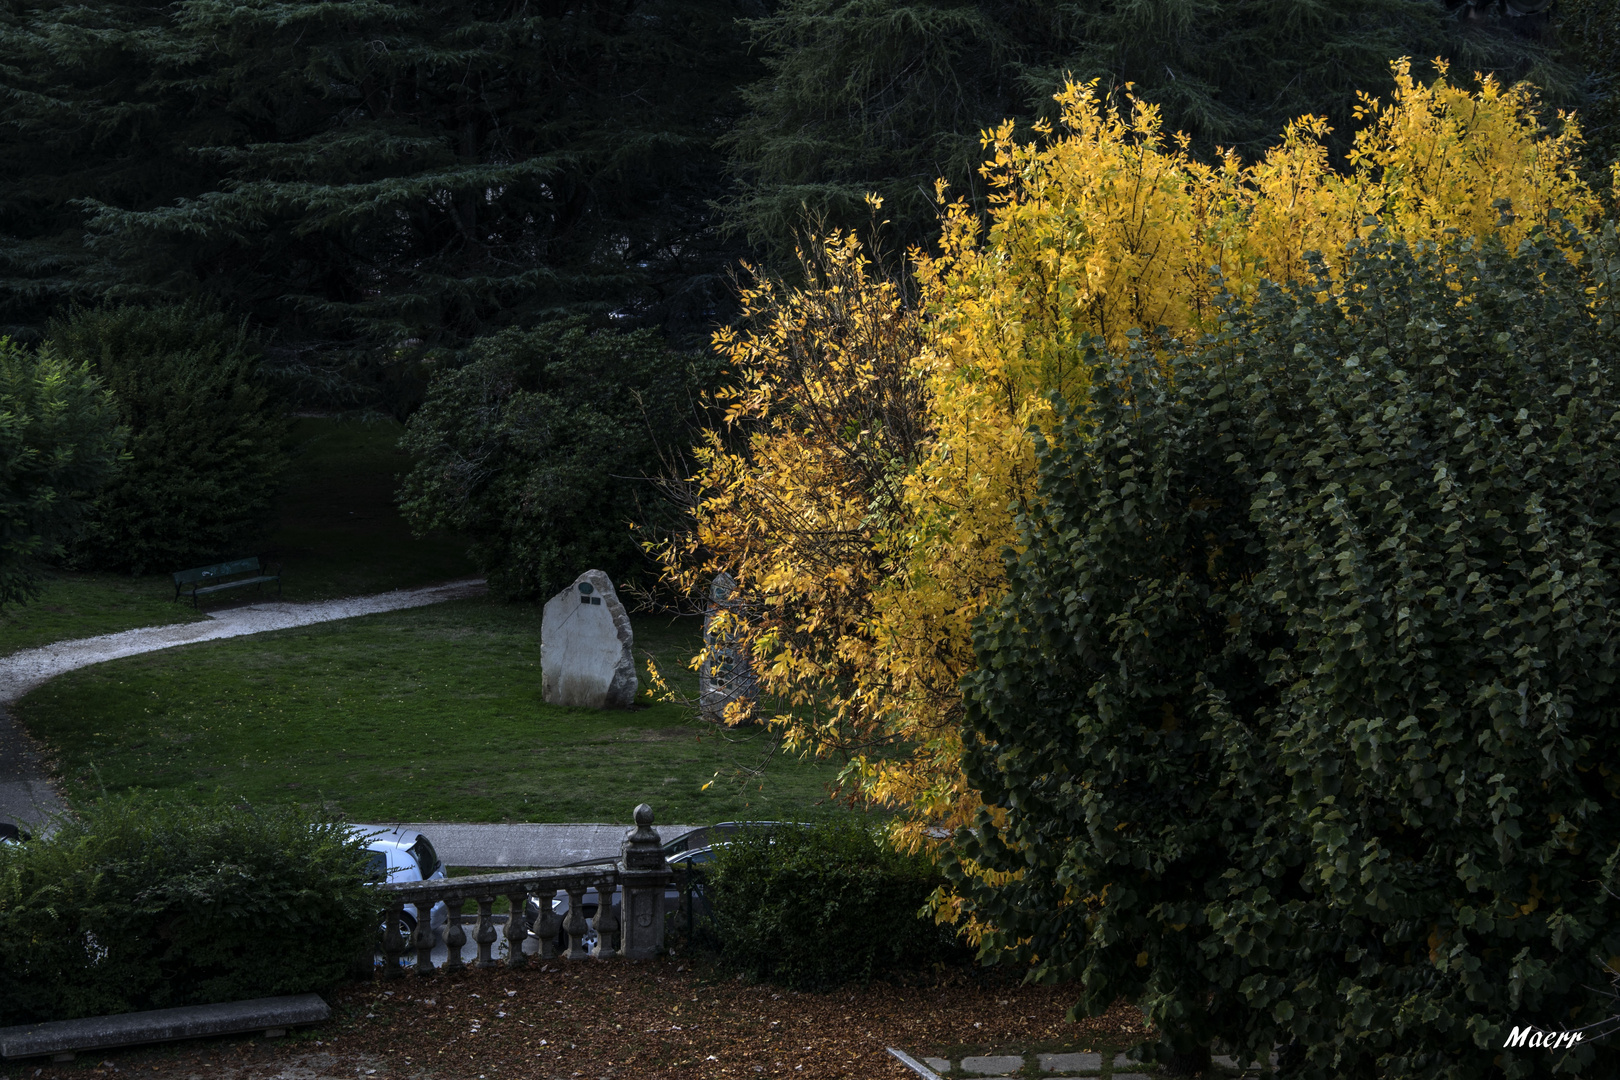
<point>1303,704</point>
<point>539,449</point>
<point>59,444</point>
<point>887,95</point>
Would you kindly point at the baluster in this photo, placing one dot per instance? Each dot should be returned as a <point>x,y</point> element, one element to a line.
<point>575,923</point>
<point>423,938</point>
<point>393,944</point>
<point>455,938</point>
<point>485,935</point>
<point>546,923</point>
<point>607,923</point>
<point>516,932</point>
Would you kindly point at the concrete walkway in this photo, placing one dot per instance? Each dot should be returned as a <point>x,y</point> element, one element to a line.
<point>26,795</point>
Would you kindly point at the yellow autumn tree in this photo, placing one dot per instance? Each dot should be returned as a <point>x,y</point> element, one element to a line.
<point>877,451</point>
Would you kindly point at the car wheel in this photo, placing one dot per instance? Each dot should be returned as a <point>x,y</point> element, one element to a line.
<point>588,941</point>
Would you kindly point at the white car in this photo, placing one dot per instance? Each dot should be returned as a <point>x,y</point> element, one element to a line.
<point>401,855</point>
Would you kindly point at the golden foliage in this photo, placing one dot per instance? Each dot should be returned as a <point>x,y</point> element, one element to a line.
<point>823,421</point>
<point>878,455</point>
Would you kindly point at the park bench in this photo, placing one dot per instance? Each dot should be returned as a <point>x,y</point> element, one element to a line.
<point>62,1039</point>
<point>212,579</point>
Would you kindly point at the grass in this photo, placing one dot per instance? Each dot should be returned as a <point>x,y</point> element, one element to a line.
<point>84,605</point>
<point>340,534</point>
<point>427,714</point>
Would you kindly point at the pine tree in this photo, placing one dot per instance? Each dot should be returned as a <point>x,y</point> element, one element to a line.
<point>888,95</point>
<point>377,172</point>
<point>1590,32</point>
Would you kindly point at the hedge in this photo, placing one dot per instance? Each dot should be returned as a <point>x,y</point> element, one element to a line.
<point>817,907</point>
<point>144,904</point>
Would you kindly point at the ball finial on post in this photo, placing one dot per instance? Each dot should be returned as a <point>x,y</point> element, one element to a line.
<point>644,873</point>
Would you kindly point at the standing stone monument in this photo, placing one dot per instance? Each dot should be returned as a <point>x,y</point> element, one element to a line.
<point>727,674</point>
<point>587,656</point>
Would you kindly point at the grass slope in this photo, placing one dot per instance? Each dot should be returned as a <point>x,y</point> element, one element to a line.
<point>340,534</point>
<point>428,714</point>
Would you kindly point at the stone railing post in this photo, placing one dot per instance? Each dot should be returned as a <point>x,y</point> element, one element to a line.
<point>607,925</point>
<point>546,923</point>
<point>644,874</point>
<point>574,923</point>
<point>422,940</point>
<point>393,943</point>
<point>485,934</point>
<point>455,935</point>
<point>516,932</point>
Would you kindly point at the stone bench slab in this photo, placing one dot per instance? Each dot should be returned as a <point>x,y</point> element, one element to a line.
<point>65,1037</point>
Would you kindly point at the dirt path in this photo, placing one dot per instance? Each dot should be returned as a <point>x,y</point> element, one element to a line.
<point>662,1019</point>
<point>26,794</point>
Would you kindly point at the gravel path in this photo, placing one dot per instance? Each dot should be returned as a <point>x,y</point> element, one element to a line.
<point>25,792</point>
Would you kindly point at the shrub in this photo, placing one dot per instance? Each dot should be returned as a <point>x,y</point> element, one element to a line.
<point>867,552</point>
<point>814,908</point>
<point>145,904</point>
<point>207,443</point>
<point>59,443</point>
<point>536,448</point>
<point>1298,723</point>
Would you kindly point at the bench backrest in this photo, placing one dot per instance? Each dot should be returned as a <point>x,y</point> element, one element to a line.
<point>218,570</point>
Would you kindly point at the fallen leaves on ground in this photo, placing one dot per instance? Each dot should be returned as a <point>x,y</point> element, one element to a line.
<point>648,1021</point>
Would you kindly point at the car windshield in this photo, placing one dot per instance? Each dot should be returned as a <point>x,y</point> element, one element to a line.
<point>685,842</point>
<point>377,865</point>
<point>427,860</point>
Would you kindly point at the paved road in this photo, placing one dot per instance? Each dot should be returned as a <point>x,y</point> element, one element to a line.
<point>524,845</point>
<point>26,795</point>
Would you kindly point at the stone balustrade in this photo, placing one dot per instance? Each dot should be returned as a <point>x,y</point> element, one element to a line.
<point>638,878</point>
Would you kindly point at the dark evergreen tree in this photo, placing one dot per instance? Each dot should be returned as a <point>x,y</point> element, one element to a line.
<point>413,171</point>
<point>888,95</point>
<point>206,441</point>
<point>1590,32</point>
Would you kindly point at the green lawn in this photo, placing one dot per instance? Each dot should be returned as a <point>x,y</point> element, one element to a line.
<point>84,605</point>
<point>428,714</point>
<point>339,535</point>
